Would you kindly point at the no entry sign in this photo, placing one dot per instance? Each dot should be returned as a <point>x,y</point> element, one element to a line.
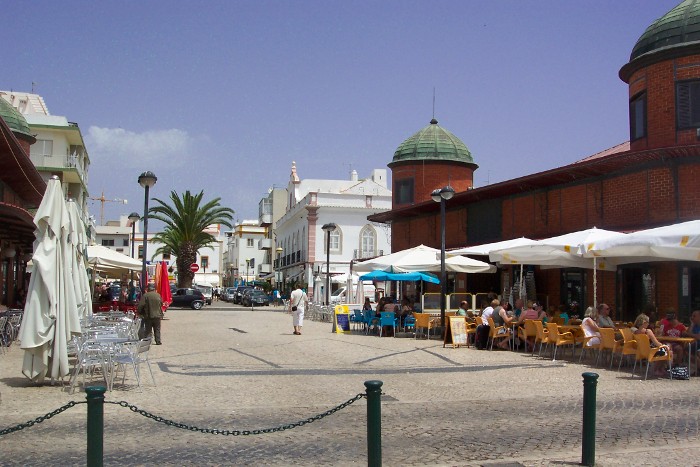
<point>194,267</point>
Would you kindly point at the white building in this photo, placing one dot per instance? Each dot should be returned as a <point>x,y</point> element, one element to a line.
<point>59,149</point>
<point>346,203</point>
<point>244,252</point>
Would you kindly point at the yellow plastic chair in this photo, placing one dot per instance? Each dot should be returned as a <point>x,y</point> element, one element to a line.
<point>607,342</point>
<point>646,352</point>
<point>528,330</point>
<point>627,347</point>
<point>423,321</point>
<point>498,332</point>
<point>541,336</point>
<point>584,344</point>
<point>558,339</point>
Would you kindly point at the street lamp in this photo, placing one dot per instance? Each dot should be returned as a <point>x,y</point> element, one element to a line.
<point>328,228</point>
<point>278,267</point>
<point>133,218</point>
<point>441,195</point>
<point>247,271</point>
<point>146,180</point>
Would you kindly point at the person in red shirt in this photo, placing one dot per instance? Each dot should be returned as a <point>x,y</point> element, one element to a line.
<point>671,327</point>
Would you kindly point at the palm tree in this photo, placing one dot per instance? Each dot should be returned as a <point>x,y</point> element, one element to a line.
<point>185,222</point>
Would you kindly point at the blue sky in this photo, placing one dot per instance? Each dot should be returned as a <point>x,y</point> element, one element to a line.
<point>224,95</point>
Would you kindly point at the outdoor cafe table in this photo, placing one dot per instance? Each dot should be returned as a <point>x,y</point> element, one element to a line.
<point>108,344</point>
<point>678,340</point>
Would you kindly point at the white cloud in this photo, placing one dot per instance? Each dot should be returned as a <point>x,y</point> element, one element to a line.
<point>171,147</point>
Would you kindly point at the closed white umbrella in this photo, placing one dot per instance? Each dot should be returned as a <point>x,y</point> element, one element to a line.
<point>79,243</point>
<point>349,292</point>
<point>318,292</point>
<point>50,313</point>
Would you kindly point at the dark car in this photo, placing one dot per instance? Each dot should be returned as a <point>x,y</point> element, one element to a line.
<point>240,290</point>
<point>255,297</point>
<point>188,298</point>
<point>229,295</point>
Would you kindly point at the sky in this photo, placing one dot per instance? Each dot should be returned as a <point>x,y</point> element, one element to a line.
<point>222,96</point>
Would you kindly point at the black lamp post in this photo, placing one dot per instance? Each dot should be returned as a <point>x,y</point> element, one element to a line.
<point>247,271</point>
<point>441,195</point>
<point>328,228</point>
<point>133,218</point>
<point>146,180</point>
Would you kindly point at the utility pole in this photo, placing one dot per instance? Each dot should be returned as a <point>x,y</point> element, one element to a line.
<point>104,200</point>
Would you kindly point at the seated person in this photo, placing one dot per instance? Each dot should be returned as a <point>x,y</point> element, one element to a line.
<point>367,305</point>
<point>694,332</point>
<point>590,327</point>
<point>500,318</point>
<point>671,327</point>
<point>604,320</point>
<point>641,326</point>
<point>518,307</point>
<point>463,307</point>
<point>405,310</point>
<point>529,312</point>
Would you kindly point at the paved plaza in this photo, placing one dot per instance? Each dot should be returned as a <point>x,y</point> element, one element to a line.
<point>230,368</point>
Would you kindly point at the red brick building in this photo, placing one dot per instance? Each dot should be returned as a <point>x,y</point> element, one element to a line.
<point>650,181</point>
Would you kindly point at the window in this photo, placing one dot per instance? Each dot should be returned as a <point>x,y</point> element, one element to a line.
<point>368,242</point>
<point>125,242</point>
<point>140,251</point>
<point>42,147</point>
<point>335,241</point>
<point>688,104</point>
<point>205,262</point>
<point>404,191</point>
<point>250,242</point>
<point>638,116</point>
<point>107,242</point>
<point>166,254</point>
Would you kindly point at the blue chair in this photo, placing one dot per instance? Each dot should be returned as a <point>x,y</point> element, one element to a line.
<point>409,324</point>
<point>387,318</point>
<point>367,317</point>
<point>357,318</point>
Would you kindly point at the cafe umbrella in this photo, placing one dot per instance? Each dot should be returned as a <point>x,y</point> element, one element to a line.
<point>51,313</point>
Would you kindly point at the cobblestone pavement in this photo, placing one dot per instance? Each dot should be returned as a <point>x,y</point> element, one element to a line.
<point>228,368</point>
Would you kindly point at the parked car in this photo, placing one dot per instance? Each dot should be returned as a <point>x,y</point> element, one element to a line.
<point>229,294</point>
<point>255,297</point>
<point>188,298</point>
<point>207,290</point>
<point>239,293</point>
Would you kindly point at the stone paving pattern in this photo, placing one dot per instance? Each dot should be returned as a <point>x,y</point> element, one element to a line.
<point>230,368</point>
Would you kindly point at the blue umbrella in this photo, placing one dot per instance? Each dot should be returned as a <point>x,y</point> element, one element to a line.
<point>378,275</point>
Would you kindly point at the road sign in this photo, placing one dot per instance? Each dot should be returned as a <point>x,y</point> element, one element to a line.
<point>194,267</point>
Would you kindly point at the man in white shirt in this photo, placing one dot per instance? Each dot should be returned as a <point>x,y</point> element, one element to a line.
<point>488,311</point>
<point>482,331</point>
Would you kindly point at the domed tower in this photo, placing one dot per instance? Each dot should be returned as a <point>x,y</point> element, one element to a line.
<point>664,81</point>
<point>430,159</point>
<point>17,123</point>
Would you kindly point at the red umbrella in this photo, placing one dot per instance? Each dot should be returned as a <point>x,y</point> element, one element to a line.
<point>163,285</point>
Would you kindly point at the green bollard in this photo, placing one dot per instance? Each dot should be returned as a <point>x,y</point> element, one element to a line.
<point>590,381</point>
<point>95,425</point>
<point>374,423</point>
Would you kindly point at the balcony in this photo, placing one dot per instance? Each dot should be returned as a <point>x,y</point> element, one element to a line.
<point>265,268</point>
<point>266,220</point>
<point>360,254</point>
<point>265,244</point>
<point>71,166</point>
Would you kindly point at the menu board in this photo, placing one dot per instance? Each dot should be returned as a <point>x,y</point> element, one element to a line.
<point>341,320</point>
<point>456,332</point>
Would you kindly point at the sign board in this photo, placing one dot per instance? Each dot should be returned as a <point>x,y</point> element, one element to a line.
<point>456,332</point>
<point>194,267</point>
<point>341,319</point>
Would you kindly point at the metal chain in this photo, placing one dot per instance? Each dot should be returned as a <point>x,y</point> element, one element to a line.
<point>215,431</point>
<point>49,415</point>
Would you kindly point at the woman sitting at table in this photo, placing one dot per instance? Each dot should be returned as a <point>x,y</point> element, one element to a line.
<point>590,327</point>
<point>406,310</point>
<point>367,305</point>
<point>641,326</point>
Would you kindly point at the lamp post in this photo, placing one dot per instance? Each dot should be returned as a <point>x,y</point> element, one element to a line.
<point>278,267</point>
<point>328,228</point>
<point>133,218</point>
<point>247,271</point>
<point>441,195</point>
<point>146,180</point>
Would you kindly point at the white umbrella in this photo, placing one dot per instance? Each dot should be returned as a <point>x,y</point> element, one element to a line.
<point>670,242</point>
<point>318,293</point>
<point>50,313</point>
<point>78,250</point>
<point>102,258</point>
<point>360,292</point>
<point>422,258</point>
<point>487,248</point>
<point>349,293</point>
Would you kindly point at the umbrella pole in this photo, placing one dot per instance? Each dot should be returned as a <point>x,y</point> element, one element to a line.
<point>595,282</point>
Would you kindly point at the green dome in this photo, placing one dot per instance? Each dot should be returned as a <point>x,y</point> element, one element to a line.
<point>679,26</point>
<point>15,120</point>
<point>433,143</point>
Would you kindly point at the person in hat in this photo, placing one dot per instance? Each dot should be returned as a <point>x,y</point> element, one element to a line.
<point>151,309</point>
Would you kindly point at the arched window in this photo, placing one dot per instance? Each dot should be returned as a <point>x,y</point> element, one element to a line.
<point>336,241</point>
<point>368,242</point>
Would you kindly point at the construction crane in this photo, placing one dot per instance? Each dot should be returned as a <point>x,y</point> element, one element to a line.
<point>104,200</point>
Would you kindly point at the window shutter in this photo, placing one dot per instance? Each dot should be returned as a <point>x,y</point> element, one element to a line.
<point>683,105</point>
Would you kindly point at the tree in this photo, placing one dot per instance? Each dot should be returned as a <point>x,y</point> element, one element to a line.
<point>185,222</point>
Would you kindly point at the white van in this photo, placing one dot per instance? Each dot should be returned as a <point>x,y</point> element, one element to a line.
<point>207,290</point>
<point>338,296</point>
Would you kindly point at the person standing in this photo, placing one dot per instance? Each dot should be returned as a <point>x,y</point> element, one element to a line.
<point>151,309</point>
<point>298,301</point>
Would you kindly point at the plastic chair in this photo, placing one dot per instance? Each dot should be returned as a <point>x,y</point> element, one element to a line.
<point>367,318</point>
<point>628,346</point>
<point>387,318</point>
<point>498,332</point>
<point>584,344</point>
<point>646,352</point>
<point>541,336</point>
<point>528,330</point>
<point>607,342</point>
<point>409,324</point>
<point>558,339</point>
<point>423,321</point>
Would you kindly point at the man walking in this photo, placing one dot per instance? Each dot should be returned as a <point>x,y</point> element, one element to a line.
<point>298,301</point>
<point>150,309</point>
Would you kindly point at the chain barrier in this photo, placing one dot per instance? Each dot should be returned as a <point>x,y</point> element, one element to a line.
<point>216,431</point>
<point>37,420</point>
